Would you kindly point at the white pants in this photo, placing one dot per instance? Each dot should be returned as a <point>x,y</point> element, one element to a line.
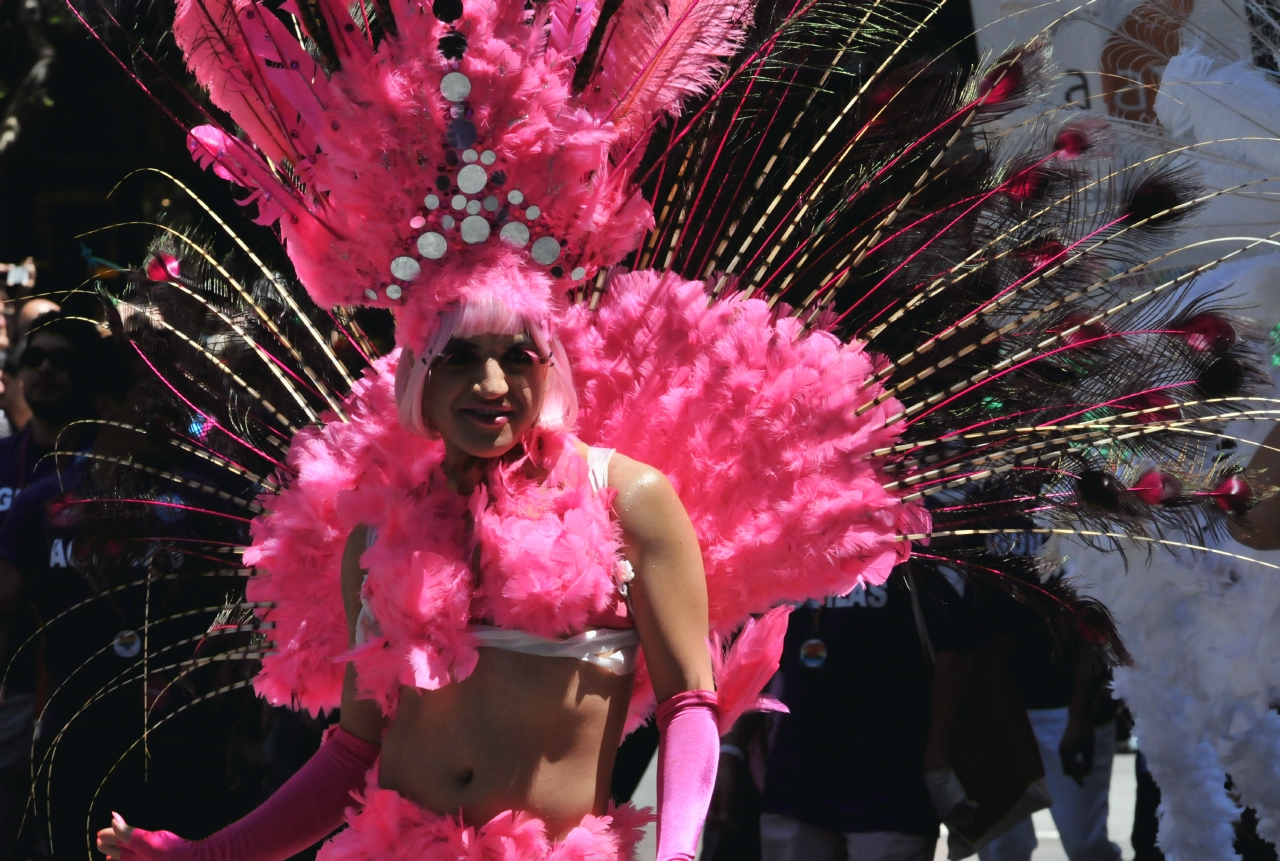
<point>783,838</point>
<point>1080,812</point>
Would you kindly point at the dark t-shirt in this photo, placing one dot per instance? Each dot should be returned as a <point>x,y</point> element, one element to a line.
<point>1044,674</point>
<point>21,463</point>
<point>38,538</point>
<point>850,755</point>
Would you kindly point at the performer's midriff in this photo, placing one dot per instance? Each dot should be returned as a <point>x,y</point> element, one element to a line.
<point>522,732</point>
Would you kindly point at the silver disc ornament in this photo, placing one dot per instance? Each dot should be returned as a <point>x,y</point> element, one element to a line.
<point>432,245</point>
<point>405,268</point>
<point>546,250</point>
<point>455,86</point>
<point>515,233</point>
<point>475,229</point>
<point>472,179</point>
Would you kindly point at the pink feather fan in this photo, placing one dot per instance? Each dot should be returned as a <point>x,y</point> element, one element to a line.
<point>756,424</point>
<point>454,147</point>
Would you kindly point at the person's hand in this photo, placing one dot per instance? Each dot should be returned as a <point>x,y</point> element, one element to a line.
<point>123,842</point>
<point>1076,749</point>
<point>950,801</point>
<point>112,841</point>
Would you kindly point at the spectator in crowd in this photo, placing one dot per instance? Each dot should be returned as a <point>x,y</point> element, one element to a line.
<point>845,774</point>
<point>29,312</point>
<point>12,401</point>
<point>58,378</point>
<point>1073,715</point>
<point>6,344</point>
<point>37,545</point>
<point>6,429</point>
<point>19,278</point>
<point>63,371</point>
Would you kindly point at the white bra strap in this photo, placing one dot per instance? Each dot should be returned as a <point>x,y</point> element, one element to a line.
<point>598,466</point>
<point>615,650</point>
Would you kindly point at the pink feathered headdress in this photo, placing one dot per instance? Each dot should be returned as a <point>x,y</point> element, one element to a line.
<point>480,142</point>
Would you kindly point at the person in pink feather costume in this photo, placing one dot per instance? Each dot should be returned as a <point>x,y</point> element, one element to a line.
<point>460,562</point>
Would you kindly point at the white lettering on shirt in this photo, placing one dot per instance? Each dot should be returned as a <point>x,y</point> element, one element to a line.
<point>861,596</point>
<point>6,498</point>
<point>58,554</point>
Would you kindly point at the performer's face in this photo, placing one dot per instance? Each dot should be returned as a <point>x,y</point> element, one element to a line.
<point>485,391</point>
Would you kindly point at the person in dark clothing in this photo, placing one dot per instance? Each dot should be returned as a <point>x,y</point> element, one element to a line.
<point>61,370</point>
<point>99,581</point>
<point>1145,818</point>
<point>845,775</point>
<point>1064,689</point>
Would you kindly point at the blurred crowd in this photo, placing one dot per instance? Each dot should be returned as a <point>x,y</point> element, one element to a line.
<point>924,702</point>
<point>78,722</point>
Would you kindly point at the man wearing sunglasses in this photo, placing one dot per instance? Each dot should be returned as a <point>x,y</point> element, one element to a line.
<point>59,374</point>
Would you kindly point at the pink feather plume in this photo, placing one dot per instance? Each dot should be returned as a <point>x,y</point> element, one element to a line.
<point>571,24</point>
<point>227,44</point>
<point>660,54</point>
<point>752,660</point>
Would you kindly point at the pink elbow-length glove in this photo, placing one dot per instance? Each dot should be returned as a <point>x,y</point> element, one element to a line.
<point>688,752</point>
<point>305,810</point>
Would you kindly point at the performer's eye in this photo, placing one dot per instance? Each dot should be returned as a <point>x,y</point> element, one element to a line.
<point>457,355</point>
<point>521,356</point>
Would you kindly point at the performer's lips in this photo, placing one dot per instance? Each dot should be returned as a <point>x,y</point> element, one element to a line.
<point>488,417</point>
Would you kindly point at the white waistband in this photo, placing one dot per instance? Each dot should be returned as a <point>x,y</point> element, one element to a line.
<point>613,649</point>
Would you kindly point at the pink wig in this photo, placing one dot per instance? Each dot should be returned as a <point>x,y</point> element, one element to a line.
<point>479,314</point>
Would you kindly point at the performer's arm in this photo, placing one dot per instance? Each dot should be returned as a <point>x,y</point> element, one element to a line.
<point>669,600</point>
<point>1076,746</point>
<point>1260,528</point>
<point>950,683</point>
<point>308,807</point>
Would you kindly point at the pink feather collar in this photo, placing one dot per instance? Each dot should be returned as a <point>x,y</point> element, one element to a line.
<point>535,554</point>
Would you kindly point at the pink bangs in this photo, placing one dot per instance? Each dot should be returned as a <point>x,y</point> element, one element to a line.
<point>487,314</point>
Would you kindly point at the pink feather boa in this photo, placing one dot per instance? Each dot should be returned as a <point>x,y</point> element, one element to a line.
<point>386,826</point>
<point>754,421</point>
<point>549,555</point>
